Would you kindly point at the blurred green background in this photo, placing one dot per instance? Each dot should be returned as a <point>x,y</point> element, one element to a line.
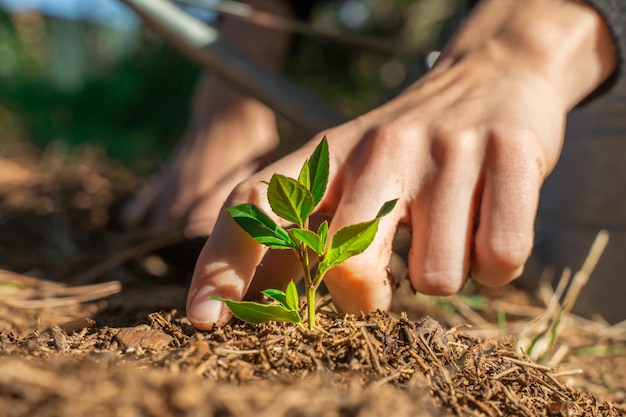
<point>119,87</point>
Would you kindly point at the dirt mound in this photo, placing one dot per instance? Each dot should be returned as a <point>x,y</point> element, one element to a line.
<point>62,353</point>
<point>167,368</point>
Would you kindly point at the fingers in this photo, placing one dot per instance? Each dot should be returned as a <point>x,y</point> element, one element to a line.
<point>276,269</point>
<point>202,215</point>
<point>505,235</point>
<point>363,283</point>
<point>442,215</point>
<point>230,256</point>
<point>442,180</point>
<point>501,180</point>
<point>224,268</point>
<point>228,260</point>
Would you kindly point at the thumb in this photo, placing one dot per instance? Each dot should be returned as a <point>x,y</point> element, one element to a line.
<point>225,268</point>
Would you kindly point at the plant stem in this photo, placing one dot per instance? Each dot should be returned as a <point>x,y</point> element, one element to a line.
<point>308,284</point>
<point>310,305</point>
<point>318,279</point>
<point>303,256</point>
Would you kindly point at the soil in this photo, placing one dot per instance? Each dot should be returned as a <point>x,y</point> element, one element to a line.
<point>92,323</point>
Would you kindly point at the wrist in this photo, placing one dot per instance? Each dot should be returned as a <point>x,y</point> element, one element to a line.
<point>566,43</point>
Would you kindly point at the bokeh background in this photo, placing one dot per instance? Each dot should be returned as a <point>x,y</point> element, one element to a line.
<point>75,72</point>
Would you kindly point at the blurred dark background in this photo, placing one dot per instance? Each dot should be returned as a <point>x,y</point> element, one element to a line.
<point>75,72</point>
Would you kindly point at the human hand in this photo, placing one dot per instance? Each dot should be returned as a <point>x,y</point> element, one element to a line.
<point>228,136</point>
<point>465,149</point>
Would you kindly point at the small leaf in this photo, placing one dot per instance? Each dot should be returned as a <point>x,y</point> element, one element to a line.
<point>319,169</point>
<point>305,175</point>
<point>348,242</point>
<point>290,199</point>
<point>322,232</point>
<point>276,295</point>
<point>293,301</point>
<point>309,238</point>
<point>258,225</point>
<point>255,313</point>
<point>386,208</point>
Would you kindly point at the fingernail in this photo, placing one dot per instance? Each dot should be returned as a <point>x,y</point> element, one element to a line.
<point>203,310</point>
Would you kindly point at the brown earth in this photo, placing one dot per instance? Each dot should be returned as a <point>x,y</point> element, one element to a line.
<point>92,323</point>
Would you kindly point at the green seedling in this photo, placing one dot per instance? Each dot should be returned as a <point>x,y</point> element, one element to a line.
<point>286,308</point>
<point>294,200</point>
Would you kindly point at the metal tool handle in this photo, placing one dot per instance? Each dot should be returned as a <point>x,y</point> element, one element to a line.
<point>204,45</point>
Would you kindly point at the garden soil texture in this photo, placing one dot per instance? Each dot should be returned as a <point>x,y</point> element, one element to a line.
<point>92,323</point>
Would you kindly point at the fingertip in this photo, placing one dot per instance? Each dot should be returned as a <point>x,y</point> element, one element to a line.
<point>437,283</point>
<point>432,275</point>
<point>360,285</point>
<point>501,258</point>
<point>205,313</point>
<point>496,277</point>
<point>205,327</point>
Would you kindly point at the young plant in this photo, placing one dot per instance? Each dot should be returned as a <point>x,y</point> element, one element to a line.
<point>294,200</point>
<point>255,313</point>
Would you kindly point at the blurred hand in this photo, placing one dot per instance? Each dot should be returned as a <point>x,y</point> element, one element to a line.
<point>228,136</point>
<point>465,149</point>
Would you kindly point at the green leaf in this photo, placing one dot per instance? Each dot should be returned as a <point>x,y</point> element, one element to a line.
<point>348,242</point>
<point>386,208</point>
<point>351,240</point>
<point>289,300</point>
<point>319,168</point>
<point>290,199</point>
<point>258,225</point>
<point>305,176</point>
<point>322,232</point>
<point>293,301</point>
<point>309,238</point>
<point>255,313</point>
<point>276,295</point>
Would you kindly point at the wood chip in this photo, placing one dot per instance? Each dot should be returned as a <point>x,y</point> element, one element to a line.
<point>143,337</point>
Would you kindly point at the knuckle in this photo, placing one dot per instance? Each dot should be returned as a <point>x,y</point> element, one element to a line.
<point>380,137</point>
<point>381,150</point>
<point>451,146</point>
<point>384,131</point>
<point>400,132</point>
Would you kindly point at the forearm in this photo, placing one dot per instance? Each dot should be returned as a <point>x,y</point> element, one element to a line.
<point>564,42</point>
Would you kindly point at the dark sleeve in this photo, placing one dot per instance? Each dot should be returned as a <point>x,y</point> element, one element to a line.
<point>614,14</point>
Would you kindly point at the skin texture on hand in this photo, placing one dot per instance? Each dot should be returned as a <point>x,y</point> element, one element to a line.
<point>465,149</point>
